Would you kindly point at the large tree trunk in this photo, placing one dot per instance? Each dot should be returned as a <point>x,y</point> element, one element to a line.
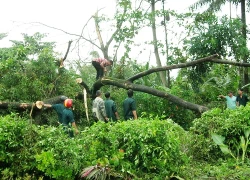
<point>128,85</point>
<point>155,42</point>
<point>16,105</point>
<point>24,106</point>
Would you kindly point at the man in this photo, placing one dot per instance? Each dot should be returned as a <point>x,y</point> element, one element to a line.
<point>100,65</point>
<point>110,107</point>
<point>231,100</point>
<point>129,106</point>
<point>68,118</point>
<point>99,111</point>
<point>241,99</point>
<point>58,108</point>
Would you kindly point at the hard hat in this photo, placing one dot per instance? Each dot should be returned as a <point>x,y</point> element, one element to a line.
<point>68,103</point>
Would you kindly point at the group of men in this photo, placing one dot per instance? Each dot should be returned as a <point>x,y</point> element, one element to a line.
<point>103,111</point>
<point>107,111</point>
<point>233,102</point>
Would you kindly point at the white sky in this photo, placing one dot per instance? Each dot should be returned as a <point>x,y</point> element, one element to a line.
<point>70,15</point>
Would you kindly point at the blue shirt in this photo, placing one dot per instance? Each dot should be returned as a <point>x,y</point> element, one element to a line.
<point>231,102</point>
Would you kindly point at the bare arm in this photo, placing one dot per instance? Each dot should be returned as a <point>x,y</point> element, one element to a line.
<point>116,115</point>
<point>102,65</point>
<point>75,127</point>
<point>135,115</point>
<point>221,96</point>
<point>47,105</point>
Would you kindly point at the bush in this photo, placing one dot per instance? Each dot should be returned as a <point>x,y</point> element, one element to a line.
<point>229,124</point>
<point>40,151</point>
<point>16,140</point>
<point>140,149</point>
<point>143,149</point>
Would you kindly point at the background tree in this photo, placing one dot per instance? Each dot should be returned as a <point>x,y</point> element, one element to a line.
<point>215,6</point>
<point>210,35</point>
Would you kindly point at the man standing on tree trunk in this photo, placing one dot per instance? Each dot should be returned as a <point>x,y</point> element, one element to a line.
<point>100,65</point>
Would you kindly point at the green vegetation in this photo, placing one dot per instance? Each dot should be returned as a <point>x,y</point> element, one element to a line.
<point>216,146</point>
<point>168,141</point>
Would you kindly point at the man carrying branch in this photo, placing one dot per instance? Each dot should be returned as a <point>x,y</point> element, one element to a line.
<point>100,65</point>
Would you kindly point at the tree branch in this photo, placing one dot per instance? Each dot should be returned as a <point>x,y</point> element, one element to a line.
<point>175,66</point>
<point>66,54</point>
<point>99,32</point>
<point>128,85</point>
<point>234,63</point>
<point>84,85</point>
<point>117,30</point>
<point>69,33</point>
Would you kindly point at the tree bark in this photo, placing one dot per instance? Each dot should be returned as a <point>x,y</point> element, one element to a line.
<point>176,66</point>
<point>212,58</point>
<point>25,106</point>
<point>16,105</point>
<point>105,47</point>
<point>128,85</point>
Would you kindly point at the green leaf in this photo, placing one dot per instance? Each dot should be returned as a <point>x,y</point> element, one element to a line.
<point>242,142</point>
<point>247,132</point>
<point>218,139</point>
<point>224,149</point>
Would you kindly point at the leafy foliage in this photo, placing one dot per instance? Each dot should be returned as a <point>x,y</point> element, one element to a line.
<point>136,147</point>
<point>230,124</point>
<point>30,72</point>
<point>143,148</point>
<point>210,35</point>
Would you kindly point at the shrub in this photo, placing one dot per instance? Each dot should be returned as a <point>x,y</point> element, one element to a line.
<point>230,124</point>
<point>140,149</point>
<point>136,148</point>
<point>16,138</point>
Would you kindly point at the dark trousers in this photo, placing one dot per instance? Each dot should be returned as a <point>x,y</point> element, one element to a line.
<point>99,70</point>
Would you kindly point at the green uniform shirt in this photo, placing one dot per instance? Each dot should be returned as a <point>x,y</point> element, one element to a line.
<point>110,107</point>
<point>129,105</point>
<point>59,110</point>
<point>67,119</point>
<point>242,100</point>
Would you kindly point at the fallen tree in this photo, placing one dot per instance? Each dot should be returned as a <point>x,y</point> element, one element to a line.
<point>128,84</point>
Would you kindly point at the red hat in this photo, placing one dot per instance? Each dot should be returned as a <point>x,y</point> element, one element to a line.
<point>68,103</point>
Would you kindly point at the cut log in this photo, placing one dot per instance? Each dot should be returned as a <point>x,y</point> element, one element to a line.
<point>15,105</point>
<point>23,106</point>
